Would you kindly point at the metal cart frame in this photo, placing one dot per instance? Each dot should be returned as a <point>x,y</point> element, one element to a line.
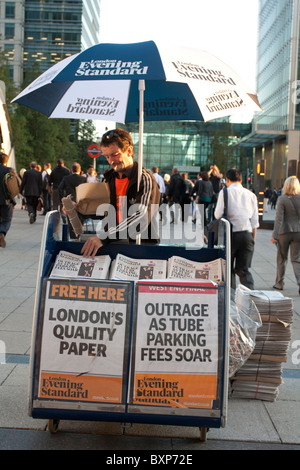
<point>51,244</point>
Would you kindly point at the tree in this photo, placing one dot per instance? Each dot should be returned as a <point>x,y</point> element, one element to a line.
<point>45,140</point>
<point>83,138</point>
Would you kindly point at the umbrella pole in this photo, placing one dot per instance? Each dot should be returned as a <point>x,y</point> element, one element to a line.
<point>141,130</point>
<point>141,133</point>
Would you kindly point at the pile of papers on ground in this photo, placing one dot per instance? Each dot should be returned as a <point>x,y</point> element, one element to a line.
<point>260,376</point>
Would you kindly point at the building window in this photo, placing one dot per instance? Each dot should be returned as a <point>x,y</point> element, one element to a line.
<point>9,9</point>
<point>9,31</point>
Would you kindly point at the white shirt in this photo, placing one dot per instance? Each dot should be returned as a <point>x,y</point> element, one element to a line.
<point>242,210</point>
<point>160,182</point>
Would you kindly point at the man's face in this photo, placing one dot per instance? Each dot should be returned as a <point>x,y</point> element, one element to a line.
<point>117,159</point>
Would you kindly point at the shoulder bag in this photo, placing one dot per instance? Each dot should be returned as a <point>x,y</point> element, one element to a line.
<point>214,225</point>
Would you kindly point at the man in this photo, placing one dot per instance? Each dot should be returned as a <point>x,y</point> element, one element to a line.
<point>6,205</point>
<point>46,195</point>
<point>32,187</point>
<point>133,207</point>
<point>69,182</point>
<point>162,189</point>
<point>176,195</point>
<point>242,212</point>
<point>55,179</point>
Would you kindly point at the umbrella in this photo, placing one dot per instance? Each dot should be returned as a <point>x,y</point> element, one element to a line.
<point>138,82</point>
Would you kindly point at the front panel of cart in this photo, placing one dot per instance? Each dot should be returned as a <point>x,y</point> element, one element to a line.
<point>82,346</point>
<point>178,353</point>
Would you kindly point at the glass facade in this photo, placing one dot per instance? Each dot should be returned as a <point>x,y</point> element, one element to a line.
<point>46,31</point>
<point>274,63</point>
<point>192,145</point>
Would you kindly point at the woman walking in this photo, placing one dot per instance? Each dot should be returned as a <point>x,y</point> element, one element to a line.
<point>286,233</point>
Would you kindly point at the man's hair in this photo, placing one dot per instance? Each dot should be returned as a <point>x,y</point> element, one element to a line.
<point>234,175</point>
<point>76,168</point>
<point>3,158</point>
<point>118,136</point>
<point>33,165</point>
<point>60,162</point>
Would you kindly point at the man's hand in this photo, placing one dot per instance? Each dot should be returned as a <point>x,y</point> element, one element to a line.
<point>91,247</point>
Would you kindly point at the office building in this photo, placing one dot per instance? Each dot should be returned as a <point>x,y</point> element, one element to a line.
<point>275,135</point>
<point>45,31</point>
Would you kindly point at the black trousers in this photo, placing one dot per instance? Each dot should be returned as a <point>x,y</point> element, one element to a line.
<point>242,248</point>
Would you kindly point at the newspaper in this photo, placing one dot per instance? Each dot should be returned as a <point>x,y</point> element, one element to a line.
<point>261,375</point>
<point>131,269</point>
<point>181,268</point>
<point>68,265</point>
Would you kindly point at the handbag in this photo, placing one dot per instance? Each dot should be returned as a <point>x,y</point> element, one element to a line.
<point>214,225</point>
<point>40,205</point>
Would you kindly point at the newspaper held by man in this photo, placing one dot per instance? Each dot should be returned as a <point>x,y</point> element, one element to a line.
<point>69,265</point>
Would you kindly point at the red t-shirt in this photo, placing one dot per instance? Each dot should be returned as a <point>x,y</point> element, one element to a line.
<point>121,186</point>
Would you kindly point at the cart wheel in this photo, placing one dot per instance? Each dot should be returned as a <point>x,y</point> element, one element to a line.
<point>203,432</point>
<point>53,425</point>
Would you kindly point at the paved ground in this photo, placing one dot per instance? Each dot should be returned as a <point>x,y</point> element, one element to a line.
<point>251,424</point>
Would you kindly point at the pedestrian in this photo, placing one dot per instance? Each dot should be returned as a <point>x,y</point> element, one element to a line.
<point>187,196</point>
<point>175,196</point>
<point>70,182</point>
<point>91,175</point>
<point>162,189</point>
<point>242,213</point>
<point>286,233</point>
<point>6,205</point>
<point>32,187</point>
<point>159,180</point>
<point>273,199</point>
<point>215,177</point>
<point>205,193</point>
<point>46,194</point>
<point>23,200</point>
<point>55,178</point>
<point>135,205</point>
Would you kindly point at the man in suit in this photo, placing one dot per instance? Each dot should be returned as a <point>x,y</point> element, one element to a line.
<point>69,182</point>
<point>31,188</point>
<point>54,181</point>
<point>6,205</point>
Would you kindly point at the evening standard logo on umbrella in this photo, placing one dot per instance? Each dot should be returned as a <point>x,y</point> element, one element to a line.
<point>165,107</point>
<point>224,100</point>
<point>103,106</point>
<point>110,67</point>
<point>197,72</point>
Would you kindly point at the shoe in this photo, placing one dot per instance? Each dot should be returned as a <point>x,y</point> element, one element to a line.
<point>2,240</point>
<point>31,218</point>
<point>277,288</point>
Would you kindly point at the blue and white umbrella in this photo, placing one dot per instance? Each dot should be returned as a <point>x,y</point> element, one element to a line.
<point>139,82</point>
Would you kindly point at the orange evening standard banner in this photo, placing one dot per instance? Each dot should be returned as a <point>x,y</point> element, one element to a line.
<point>175,348</point>
<point>84,341</point>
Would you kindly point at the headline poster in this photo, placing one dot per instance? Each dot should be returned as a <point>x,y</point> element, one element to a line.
<point>176,345</point>
<point>84,341</point>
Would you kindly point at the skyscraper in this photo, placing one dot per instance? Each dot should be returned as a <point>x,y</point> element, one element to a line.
<point>276,131</point>
<point>46,31</point>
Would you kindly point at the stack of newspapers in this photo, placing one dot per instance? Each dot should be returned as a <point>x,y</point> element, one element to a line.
<point>259,378</point>
<point>69,265</point>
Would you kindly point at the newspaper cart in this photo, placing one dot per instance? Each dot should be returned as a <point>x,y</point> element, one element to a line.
<point>97,351</point>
